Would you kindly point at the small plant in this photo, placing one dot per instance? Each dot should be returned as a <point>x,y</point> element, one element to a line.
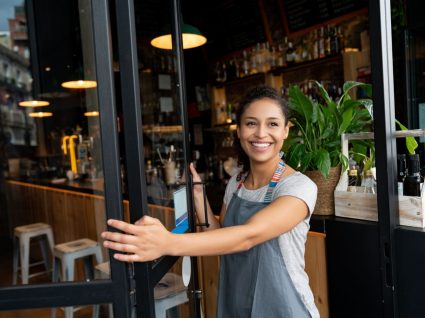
<point>314,141</point>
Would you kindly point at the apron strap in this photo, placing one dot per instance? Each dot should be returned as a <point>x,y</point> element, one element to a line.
<point>272,184</point>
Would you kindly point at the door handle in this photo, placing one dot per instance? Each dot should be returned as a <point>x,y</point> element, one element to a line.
<point>206,223</point>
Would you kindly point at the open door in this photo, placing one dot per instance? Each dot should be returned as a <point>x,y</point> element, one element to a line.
<point>157,149</point>
<point>62,178</point>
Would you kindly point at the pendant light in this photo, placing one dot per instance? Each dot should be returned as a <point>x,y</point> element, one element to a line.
<point>34,103</point>
<point>191,35</point>
<point>91,114</point>
<point>40,114</point>
<point>79,84</point>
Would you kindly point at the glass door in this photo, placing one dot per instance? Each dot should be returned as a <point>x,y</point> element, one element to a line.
<point>60,176</point>
<point>157,151</point>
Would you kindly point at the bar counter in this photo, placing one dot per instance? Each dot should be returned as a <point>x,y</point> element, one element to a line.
<point>74,209</point>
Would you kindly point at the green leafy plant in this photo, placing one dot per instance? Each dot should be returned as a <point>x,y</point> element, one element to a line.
<point>314,141</point>
<point>411,143</point>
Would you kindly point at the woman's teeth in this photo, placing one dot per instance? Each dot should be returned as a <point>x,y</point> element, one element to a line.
<point>260,144</point>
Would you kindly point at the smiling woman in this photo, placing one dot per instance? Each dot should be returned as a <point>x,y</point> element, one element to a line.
<point>265,215</point>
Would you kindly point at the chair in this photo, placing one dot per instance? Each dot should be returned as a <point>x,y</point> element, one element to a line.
<point>21,249</point>
<point>65,255</point>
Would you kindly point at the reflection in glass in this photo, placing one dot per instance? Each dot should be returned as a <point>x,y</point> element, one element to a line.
<point>52,208</point>
<point>171,294</point>
<point>163,134</point>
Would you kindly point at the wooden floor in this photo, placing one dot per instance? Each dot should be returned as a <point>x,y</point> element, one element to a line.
<point>6,280</point>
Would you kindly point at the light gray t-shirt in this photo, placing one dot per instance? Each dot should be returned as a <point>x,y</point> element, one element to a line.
<point>292,243</point>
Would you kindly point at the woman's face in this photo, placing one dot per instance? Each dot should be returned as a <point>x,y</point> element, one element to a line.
<point>262,130</point>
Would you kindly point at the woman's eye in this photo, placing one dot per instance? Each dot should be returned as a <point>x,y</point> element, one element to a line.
<point>250,123</point>
<point>274,124</point>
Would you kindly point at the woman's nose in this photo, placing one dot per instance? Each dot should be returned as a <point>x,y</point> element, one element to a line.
<point>261,131</point>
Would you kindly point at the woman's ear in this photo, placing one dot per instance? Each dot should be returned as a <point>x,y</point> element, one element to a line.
<point>237,132</point>
<point>286,132</point>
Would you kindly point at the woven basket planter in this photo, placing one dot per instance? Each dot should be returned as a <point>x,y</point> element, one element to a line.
<point>325,196</point>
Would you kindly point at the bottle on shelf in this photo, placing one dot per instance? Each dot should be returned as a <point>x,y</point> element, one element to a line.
<point>149,172</point>
<point>413,182</point>
<point>353,176</point>
<point>368,182</point>
<point>401,172</point>
<point>335,48</point>
<point>290,53</point>
<point>321,42</point>
<point>315,45</point>
<point>328,40</point>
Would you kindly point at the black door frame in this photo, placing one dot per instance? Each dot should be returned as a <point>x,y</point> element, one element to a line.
<point>386,151</point>
<point>116,289</point>
<point>148,274</point>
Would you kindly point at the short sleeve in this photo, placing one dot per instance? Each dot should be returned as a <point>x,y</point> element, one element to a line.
<point>230,189</point>
<point>300,186</point>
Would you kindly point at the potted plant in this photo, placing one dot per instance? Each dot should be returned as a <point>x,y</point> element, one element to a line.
<point>314,143</point>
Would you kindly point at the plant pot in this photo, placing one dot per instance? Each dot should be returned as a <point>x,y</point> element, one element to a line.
<point>325,196</point>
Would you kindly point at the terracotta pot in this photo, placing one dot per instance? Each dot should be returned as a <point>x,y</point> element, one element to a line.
<point>325,204</point>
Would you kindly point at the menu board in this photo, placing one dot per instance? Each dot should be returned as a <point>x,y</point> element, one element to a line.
<point>301,14</point>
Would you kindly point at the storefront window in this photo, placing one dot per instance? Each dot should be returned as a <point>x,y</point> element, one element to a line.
<point>51,174</point>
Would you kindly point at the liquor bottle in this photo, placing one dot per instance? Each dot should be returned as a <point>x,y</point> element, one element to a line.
<point>401,172</point>
<point>352,175</point>
<point>290,53</point>
<point>328,40</point>
<point>340,39</point>
<point>352,180</point>
<point>335,49</point>
<point>245,64</point>
<point>321,42</point>
<point>315,45</point>
<point>412,185</point>
<point>368,182</point>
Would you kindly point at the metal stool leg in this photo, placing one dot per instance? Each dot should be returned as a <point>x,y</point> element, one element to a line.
<point>24,246</point>
<point>45,252</point>
<point>15,259</point>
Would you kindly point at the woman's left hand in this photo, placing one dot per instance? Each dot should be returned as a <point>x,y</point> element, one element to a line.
<point>146,240</point>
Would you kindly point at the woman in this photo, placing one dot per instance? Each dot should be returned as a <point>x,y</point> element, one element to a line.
<point>263,223</point>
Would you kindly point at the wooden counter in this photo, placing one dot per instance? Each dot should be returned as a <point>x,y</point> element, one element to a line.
<point>71,213</point>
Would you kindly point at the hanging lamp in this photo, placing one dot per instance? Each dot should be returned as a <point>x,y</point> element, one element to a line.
<point>40,114</point>
<point>191,35</point>
<point>34,103</point>
<point>91,114</point>
<point>79,84</point>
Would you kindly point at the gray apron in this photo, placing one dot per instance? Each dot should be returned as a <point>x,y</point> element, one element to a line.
<point>256,283</point>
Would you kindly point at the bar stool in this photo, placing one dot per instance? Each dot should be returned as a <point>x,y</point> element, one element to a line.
<point>168,293</point>
<point>65,255</point>
<point>21,249</point>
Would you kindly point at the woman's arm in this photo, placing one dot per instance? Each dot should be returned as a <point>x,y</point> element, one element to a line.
<point>149,240</point>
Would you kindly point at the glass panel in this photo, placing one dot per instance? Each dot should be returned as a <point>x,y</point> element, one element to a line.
<point>163,138</point>
<point>171,294</point>
<point>104,310</point>
<point>409,65</point>
<point>51,174</point>
<point>161,116</point>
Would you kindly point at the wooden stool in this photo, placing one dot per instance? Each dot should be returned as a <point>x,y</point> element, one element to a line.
<point>66,254</point>
<point>169,293</point>
<point>21,249</point>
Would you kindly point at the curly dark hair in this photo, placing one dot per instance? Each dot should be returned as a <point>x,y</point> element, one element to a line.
<point>254,94</point>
